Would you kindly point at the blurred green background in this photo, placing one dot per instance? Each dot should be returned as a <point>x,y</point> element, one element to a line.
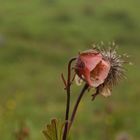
<point>37,38</point>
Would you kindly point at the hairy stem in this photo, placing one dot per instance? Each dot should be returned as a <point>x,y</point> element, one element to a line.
<point>68,99</point>
<point>77,104</point>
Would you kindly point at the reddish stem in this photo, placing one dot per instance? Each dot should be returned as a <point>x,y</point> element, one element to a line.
<point>77,104</point>
<point>68,99</point>
<point>64,81</point>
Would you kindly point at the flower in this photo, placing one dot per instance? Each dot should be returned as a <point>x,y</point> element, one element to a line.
<point>100,68</point>
<point>92,67</point>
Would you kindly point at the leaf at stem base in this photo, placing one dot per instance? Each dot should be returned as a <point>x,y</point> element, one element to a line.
<point>54,130</point>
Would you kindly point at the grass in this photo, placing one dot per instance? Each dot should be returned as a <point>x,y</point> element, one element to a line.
<point>37,37</point>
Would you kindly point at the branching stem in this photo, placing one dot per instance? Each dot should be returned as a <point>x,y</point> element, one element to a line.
<point>68,99</point>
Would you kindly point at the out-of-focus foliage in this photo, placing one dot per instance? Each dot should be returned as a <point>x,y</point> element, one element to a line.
<point>22,132</point>
<point>37,37</point>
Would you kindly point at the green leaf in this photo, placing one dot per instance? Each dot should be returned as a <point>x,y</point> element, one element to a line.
<point>53,131</point>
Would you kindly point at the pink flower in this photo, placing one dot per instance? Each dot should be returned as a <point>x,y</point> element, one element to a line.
<point>92,67</point>
<point>101,68</point>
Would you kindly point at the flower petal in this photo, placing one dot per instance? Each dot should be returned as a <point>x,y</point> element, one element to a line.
<point>100,73</point>
<point>90,60</point>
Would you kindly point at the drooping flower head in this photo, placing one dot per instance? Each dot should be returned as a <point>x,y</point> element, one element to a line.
<point>101,68</point>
